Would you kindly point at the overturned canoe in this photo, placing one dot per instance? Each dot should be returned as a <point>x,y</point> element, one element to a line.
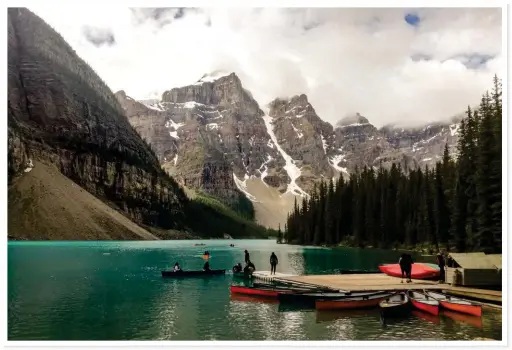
<point>423,302</point>
<point>418,271</point>
<point>352,302</point>
<point>197,273</point>
<point>456,304</point>
<point>397,305</point>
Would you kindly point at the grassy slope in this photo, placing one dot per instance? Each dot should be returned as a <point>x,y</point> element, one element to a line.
<point>44,204</point>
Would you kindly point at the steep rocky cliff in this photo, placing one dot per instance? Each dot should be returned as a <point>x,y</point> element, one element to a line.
<point>61,113</point>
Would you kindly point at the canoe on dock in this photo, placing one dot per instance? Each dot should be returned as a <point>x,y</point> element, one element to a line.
<point>423,302</point>
<point>456,304</point>
<point>397,305</point>
<point>352,302</point>
<point>198,273</point>
<point>419,270</point>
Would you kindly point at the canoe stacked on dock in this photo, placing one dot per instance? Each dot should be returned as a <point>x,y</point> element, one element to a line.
<point>419,270</point>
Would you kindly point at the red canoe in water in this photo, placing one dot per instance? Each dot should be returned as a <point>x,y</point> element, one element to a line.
<point>419,270</point>
<point>456,304</point>
<point>424,303</point>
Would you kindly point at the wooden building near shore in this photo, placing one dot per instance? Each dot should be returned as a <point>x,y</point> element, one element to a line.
<point>475,269</point>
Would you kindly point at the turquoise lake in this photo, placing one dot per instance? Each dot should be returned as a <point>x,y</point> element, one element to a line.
<point>114,291</point>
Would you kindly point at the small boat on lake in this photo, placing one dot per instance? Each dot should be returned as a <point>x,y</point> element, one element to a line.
<point>456,304</point>
<point>397,305</point>
<point>423,302</point>
<point>352,302</point>
<point>419,270</point>
<point>198,273</point>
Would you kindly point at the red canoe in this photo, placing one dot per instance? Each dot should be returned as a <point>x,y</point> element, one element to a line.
<point>419,270</point>
<point>424,303</point>
<point>263,292</point>
<point>456,304</point>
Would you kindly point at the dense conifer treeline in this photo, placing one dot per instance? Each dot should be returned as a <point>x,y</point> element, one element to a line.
<point>454,206</point>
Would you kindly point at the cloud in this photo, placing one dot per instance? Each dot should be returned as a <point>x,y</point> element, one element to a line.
<point>371,61</point>
<point>99,36</point>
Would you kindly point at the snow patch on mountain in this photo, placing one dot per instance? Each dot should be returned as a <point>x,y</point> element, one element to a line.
<point>170,124</point>
<point>351,125</point>
<point>242,186</point>
<point>155,106</point>
<point>454,129</point>
<point>264,172</point>
<point>292,170</point>
<point>210,78</point>
<point>175,160</point>
<point>297,131</point>
<point>324,144</point>
<point>334,161</point>
<point>212,126</point>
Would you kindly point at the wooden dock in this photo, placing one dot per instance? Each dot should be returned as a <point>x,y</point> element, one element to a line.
<point>266,276</point>
<point>378,282</point>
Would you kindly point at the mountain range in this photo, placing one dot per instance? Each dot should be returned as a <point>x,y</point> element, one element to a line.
<point>205,160</point>
<point>212,136</point>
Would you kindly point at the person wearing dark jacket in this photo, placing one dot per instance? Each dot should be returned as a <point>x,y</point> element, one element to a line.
<point>441,263</point>
<point>237,268</point>
<point>273,263</point>
<point>246,256</point>
<point>401,262</point>
<point>406,266</point>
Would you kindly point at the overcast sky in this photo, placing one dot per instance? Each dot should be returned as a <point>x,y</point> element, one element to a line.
<point>390,65</point>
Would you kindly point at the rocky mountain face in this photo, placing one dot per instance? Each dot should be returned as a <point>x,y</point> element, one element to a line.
<point>209,136</point>
<point>62,114</point>
<point>212,136</point>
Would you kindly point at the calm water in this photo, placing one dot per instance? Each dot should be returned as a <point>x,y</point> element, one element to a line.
<point>114,291</point>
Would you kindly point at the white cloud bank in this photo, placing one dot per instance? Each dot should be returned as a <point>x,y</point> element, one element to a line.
<point>345,60</point>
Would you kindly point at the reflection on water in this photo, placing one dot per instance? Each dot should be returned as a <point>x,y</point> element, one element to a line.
<point>114,291</point>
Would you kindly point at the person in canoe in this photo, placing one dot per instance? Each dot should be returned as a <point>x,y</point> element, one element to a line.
<point>249,268</point>
<point>177,267</point>
<point>441,263</point>
<point>247,256</point>
<point>273,263</point>
<point>206,266</point>
<point>237,268</point>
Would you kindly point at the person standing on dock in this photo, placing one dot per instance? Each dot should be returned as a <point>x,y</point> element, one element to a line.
<point>273,263</point>
<point>441,264</point>
<point>246,256</point>
<point>406,266</point>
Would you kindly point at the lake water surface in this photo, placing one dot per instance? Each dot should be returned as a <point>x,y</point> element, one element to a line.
<point>114,291</point>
